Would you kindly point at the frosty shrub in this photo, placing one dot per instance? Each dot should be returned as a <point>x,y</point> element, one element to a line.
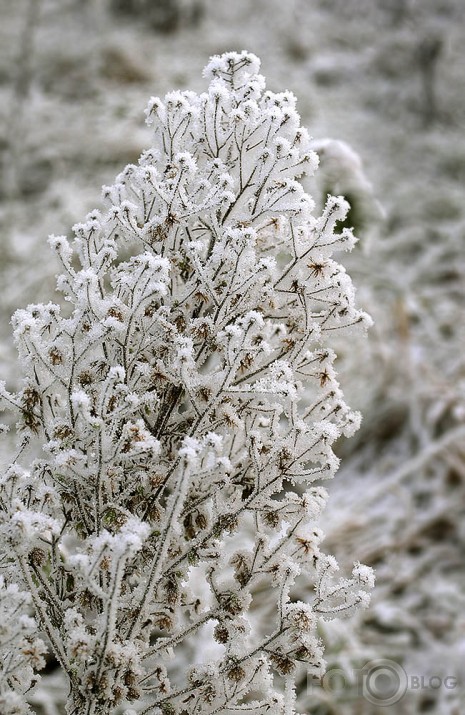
<point>174,415</point>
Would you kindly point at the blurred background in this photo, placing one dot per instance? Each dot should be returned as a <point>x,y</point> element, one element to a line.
<point>381,87</point>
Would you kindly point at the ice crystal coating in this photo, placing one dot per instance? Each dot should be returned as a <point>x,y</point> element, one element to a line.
<point>184,404</point>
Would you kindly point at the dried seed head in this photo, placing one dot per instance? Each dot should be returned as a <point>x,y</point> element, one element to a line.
<point>55,356</point>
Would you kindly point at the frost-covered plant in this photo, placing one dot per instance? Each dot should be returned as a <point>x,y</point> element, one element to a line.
<point>173,419</point>
<point>21,652</point>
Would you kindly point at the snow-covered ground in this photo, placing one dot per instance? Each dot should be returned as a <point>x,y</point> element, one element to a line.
<point>381,87</point>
